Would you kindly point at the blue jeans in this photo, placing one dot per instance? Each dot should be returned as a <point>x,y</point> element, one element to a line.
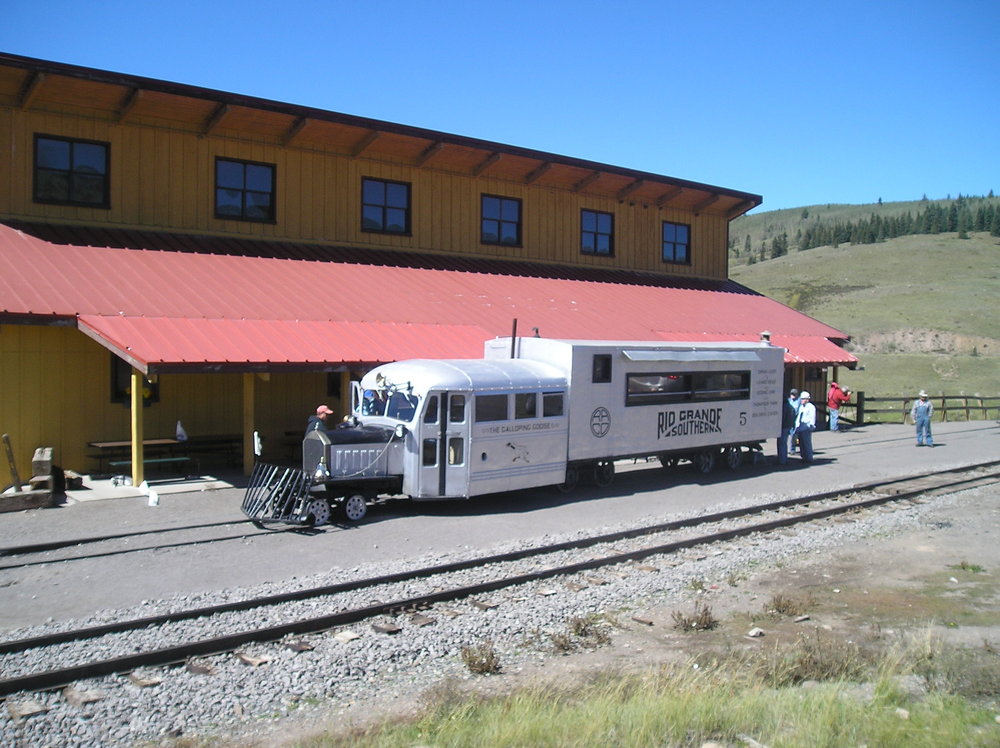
<point>783,447</point>
<point>805,443</point>
<point>834,415</point>
<point>924,431</point>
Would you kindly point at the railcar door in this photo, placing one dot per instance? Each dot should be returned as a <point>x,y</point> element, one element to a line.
<point>444,446</point>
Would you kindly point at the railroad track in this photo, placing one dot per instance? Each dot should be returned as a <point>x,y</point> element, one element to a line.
<point>789,512</point>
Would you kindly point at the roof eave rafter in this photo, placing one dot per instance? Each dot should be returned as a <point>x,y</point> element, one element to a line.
<point>129,102</point>
<point>587,181</point>
<point>295,130</point>
<point>707,202</point>
<point>486,163</point>
<point>30,89</point>
<point>537,172</point>
<point>629,189</point>
<point>215,119</point>
<point>429,152</point>
<point>362,145</point>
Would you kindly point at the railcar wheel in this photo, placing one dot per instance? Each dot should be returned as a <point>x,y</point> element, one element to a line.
<point>604,473</point>
<point>704,461</point>
<point>354,508</point>
<point>572,478</point>
<point>734,457</point>
<point>318,512</point>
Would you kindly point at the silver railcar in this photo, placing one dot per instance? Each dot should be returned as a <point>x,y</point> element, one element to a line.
<point>533,412</point>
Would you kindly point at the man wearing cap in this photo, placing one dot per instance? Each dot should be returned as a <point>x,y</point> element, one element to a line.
<point>805,424</point>
<point>318,421</point>
<point>921,413</point>
<point>836,397</point>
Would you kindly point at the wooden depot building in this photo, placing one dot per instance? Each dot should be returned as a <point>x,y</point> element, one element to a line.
<point>171,253</point>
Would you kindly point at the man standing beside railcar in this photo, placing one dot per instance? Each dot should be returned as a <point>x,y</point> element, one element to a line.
<point>805,424</point>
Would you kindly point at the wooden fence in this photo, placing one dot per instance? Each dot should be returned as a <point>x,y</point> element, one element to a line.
<point>865,409</point>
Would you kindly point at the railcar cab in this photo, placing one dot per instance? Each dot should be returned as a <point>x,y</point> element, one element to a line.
<point>469,427</point>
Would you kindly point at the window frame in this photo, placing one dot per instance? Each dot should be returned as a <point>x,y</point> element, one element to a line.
<point>596,232</point>
<point>104,202</point>
<point>674,244</point>
<point>272,216</point>
<point>384,207</point>
<point>693,387</point>
<point>500,221</point>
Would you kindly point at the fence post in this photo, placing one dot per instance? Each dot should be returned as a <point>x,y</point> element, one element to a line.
<point>944,409</point>
<point>859,409</point>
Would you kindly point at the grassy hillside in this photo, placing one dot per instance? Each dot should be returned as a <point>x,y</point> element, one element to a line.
<point>923,311</point>
<point>762,228</point>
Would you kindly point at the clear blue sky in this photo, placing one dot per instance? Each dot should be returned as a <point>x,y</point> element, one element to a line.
<point>803,103</point>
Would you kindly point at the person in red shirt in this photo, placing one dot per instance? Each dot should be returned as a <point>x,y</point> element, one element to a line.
<point>834,399</point>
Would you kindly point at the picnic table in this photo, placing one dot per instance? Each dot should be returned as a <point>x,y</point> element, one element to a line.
<point>118,453</point>
<point>168,451</point>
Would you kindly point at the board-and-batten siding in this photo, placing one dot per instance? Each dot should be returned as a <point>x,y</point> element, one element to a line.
<point>164,178</point>
<point>63,383</point>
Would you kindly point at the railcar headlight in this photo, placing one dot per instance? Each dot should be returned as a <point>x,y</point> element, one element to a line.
<point>400,431</point>
<point>322,473</point>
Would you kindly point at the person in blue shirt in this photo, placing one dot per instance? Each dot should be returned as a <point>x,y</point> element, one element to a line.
<point>796,403</point>
<point>789,411</point>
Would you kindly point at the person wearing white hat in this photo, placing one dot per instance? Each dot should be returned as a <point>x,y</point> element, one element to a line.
<point>805,424</point>
<point>921,413</point>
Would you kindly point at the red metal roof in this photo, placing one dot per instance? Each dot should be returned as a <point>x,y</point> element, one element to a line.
<point>166,310</point>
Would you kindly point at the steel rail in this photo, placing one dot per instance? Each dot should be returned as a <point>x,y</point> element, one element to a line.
<point>230,642</point>
<point>19,645</point>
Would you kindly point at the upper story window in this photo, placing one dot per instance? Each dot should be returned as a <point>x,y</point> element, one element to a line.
<point>501,221</point>
<point>597,233</point>
<point>244,190</point>
<point>676,242</point>
<point>71,172</point>
<point>385,206</point>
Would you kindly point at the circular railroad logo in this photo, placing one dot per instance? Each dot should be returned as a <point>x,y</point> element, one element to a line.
<point>600,422</point>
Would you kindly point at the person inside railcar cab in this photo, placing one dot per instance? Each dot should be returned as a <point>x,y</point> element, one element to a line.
<point>373,403</point>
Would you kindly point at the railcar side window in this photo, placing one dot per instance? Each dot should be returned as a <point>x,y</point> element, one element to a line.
<point>525,405</point>
<point>456,409</point>
<point>430,452</point>
<point>456,451</point>
<point>491,408</point>
<point>602,368</point>
<point>665,388</point>
<point>722,385</point>
<point>552,404</point>
<point>431,414</point>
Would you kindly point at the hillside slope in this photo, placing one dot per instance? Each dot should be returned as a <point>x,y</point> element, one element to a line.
<point>922,310</point>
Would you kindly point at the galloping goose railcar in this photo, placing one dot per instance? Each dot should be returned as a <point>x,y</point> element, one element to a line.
<point>532,412</point>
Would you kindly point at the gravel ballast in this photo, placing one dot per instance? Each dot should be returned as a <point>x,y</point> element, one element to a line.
<point>224,694</point>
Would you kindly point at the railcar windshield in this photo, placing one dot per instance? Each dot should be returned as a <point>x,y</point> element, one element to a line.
<point>401,406</point>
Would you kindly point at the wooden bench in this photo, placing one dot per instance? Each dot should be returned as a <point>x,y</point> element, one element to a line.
<point>178,460</point>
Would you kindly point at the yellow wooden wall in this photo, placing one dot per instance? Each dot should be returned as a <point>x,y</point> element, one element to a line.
<point>55,391</point>
<point>163,178</point>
